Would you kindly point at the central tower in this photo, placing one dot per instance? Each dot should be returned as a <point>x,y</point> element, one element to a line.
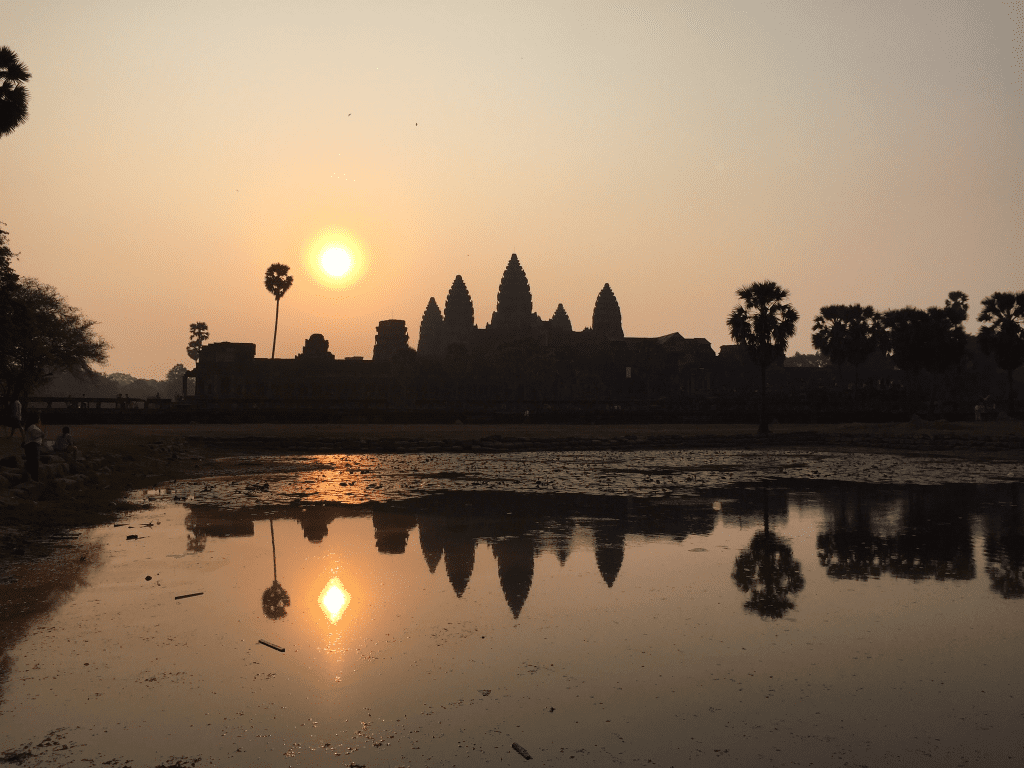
<point>515,302</point>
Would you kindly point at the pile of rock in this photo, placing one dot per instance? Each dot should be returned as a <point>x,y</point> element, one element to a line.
<point>54,472</point>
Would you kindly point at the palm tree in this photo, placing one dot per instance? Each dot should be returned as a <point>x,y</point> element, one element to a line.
<point>846,334</point>
<point>198,334</point>
<point>763,324</point>
<point>13,95</point>
<point>1003,333</point>
<point>277,281</point>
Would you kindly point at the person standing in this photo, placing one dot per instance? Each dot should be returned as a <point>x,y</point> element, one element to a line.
<point>33,444</point>
<point>14,419</point>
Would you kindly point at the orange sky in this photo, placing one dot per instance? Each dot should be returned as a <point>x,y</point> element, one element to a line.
<point>854,152</point>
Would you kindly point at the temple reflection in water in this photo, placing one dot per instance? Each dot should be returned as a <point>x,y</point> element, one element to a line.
<point>866,532</point>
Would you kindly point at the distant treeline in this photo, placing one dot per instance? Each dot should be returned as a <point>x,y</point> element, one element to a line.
<point>112,384</point>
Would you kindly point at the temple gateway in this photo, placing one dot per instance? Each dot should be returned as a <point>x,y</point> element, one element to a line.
<point>517,362</point>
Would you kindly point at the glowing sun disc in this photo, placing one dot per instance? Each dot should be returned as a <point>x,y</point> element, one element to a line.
<point>336,261</point>
<point>335,258</point>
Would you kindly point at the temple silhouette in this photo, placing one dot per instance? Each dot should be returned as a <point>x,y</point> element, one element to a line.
<point>517,362</point>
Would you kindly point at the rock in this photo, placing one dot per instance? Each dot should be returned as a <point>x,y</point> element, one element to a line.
<point>29,490</point>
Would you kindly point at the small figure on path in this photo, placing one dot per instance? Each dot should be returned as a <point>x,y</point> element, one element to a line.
<point>33,444</point>
<point>65,447</point>
<point>14,419</point>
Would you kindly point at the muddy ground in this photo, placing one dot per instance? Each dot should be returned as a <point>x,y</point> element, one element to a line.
<point>123,458</point>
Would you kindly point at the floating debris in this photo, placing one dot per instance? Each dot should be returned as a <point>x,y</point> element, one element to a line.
<point>271,645</point>
<point>522,751</point>
<point>190,594</point>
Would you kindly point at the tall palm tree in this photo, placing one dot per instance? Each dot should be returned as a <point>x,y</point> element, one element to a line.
<point>277,281</point>
<point>13,95</point>
<point>1002,334</point>
<point>763,324</point>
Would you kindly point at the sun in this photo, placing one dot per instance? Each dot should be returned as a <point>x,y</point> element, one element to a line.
<point>336,261</point>
<point>335,258</point>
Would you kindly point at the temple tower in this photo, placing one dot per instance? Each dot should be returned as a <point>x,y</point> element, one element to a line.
<point>392,338</point>
<point>431,341</point>
<point>458,309</point>
<point>315,349</point>
<point>559,322</point>
<point>607,318</point>
<point>515,302</point>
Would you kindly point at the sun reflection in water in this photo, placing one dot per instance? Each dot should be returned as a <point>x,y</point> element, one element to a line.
<point>334,599</point>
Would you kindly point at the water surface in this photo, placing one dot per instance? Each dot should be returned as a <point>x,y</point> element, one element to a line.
<point>781,623</point>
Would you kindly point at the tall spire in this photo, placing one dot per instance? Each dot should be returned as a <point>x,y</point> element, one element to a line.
<point>607,318</point>
<point>515,302</point>
<point>458,308</point>
<point>431,330</point>
<point>559,321</point>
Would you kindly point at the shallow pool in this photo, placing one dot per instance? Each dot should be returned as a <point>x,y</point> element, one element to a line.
<point>781,623</point>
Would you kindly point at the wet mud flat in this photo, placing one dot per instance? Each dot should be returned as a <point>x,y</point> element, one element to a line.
<point>668,474</point>
<point>589,606</point>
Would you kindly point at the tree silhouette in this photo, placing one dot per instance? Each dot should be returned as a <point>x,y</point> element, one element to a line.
<point>275,598</point>
<point>905,338</point>
<point>13,94</point>
<point>763,324</point>
<point>767,571</point>
<point>198,334</point>
<point>277,281</point>
<point>932,339</point>
<point>846,334</point>
<point>42,336</point>
<point>949,339</point>
<point>1002,333</point>
<point>175,379</point>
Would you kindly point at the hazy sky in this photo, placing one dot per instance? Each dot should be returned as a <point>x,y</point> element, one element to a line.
<point>855,152</point>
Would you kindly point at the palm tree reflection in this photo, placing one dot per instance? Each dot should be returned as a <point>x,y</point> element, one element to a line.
<point>275,598</point>
<point>767,571</point>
